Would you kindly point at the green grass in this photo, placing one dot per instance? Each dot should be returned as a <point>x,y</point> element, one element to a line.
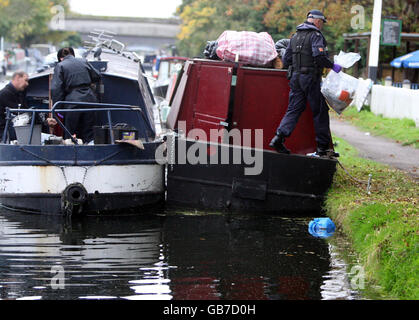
<point>403,131</point>
<point>383,226</point>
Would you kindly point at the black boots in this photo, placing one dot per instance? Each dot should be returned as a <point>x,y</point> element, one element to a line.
<point>278,144</point>
<point>327,153</point>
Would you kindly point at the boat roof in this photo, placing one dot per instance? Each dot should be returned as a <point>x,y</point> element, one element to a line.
<point>174,58</point>
<point>124,65</point>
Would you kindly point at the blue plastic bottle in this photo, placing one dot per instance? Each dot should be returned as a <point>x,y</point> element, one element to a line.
<point>321,227</point>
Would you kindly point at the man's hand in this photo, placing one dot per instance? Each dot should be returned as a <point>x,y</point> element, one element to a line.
<point>51,122</point>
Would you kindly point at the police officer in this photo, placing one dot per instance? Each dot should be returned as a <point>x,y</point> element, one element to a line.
<point>306,56</point>
<point>72,82</point>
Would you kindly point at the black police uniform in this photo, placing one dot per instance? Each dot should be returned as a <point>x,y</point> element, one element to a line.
<point>307,55</point>
<point>71,82</point>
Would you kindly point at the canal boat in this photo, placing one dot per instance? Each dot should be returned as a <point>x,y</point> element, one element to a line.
<point>118,173</point>
<point>215,108</point>
<point>168,69</point>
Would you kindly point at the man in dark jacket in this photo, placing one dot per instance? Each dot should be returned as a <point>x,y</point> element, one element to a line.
<point>72,82</point>
<point>13,95</point>
<point>307,55</point>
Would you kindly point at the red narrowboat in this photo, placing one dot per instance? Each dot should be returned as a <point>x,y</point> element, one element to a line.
<point>231,111</point>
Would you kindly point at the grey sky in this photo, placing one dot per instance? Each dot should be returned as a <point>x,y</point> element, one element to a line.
<point>126,8</point>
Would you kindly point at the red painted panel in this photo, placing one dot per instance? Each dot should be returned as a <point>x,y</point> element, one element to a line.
<point>177,110</point>
<point>261,101</point>
<point>203,101</point>
<point>213,96</point>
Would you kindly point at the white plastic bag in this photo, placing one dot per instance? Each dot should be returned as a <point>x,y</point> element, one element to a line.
<point>347,59</point>
<point>22,119</point>
<point>339,89</point>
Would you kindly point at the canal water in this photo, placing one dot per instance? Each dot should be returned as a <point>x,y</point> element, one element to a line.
<point>168,256</point>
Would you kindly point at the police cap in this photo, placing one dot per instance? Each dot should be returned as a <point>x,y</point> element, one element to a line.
<point>316,14</point>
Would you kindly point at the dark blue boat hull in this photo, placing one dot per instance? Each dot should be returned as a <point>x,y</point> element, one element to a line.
<point>55,165</point>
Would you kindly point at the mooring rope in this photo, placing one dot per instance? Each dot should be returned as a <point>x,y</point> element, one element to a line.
<point>360,182</point>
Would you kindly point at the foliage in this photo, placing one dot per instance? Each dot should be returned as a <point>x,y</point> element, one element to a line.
<point>382,226</point>
<point>286,15</point>
<point>205,20</point>
<point>24,21</point>
<point>406,10</point>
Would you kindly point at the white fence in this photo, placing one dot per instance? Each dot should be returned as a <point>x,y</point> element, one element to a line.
<point>394,102</point>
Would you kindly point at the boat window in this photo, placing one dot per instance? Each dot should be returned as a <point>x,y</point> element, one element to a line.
<point>175,68</point>
<point>164,70</point>
<point>168,69</point>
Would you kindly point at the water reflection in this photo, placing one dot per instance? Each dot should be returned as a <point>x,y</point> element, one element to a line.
<point>161,257</point>
<point>336,285</point>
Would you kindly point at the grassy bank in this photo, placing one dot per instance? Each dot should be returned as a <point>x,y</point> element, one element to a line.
<point>403,131</point>
<point>383,226</point>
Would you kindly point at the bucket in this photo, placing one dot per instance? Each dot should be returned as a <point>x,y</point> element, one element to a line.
<point>23,133</point>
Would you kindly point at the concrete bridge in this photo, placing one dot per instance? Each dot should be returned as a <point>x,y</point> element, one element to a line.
<point>139,34</point>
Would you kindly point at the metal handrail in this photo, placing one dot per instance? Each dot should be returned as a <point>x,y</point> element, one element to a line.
<point>105,107</point>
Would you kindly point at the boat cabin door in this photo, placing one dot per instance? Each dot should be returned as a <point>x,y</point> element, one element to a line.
<point>205,99</point>
<point>213,98</point>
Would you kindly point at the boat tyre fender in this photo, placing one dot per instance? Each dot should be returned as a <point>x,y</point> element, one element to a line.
<point>73,199</point>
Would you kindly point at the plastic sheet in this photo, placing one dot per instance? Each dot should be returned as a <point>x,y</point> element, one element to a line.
<point>281,46</point>
<point>210,51</point>
<point>339,89</point>
<point>347,59</point>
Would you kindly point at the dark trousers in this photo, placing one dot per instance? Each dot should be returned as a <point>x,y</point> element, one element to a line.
<point>306,87</point>
<point>81,124</point>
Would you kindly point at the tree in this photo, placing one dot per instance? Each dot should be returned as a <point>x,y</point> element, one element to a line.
<point>286,15</point>
<point>23,21</point>
<point>406,10</point>
<point>205,20</point>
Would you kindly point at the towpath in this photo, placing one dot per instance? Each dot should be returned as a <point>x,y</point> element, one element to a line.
<point>378,149</point>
